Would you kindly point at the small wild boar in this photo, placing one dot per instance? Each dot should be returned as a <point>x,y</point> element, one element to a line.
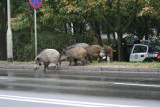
<point>74,54</point>
<point>46,57</point>
<point>93,50</point>
<point>107,51</point>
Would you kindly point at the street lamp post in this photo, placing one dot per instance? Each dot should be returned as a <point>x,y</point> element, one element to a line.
<point>9,35</point>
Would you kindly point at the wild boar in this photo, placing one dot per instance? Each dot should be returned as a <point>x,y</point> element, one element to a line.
<point>84,45</point>
<point>46,57</point>
<point>93,50</point>
<point>107,51</point>
<point>74,54</point>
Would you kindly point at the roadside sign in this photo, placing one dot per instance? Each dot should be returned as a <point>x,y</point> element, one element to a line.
<point>35,3</point>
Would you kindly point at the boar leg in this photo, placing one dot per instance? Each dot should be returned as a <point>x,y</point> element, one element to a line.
<point>99,58</point>
<point>83,61</point>
<point>89,58</point>
<point>75,61</point>
<point>111,58</point>
<point>57,65</point>
<point>70,61</point>
<point>45,66</point>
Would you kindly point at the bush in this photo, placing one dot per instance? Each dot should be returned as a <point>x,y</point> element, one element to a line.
<point>24,48</point>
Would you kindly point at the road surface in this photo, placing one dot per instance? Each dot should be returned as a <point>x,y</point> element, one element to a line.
<point>27,88</point>
<point>35,99</point>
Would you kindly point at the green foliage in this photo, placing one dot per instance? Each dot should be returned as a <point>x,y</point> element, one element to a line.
<point>22,46</point>
<point>60,41</point>
<point>55,19</point>
<point>20,23</point>
<point>23,43</point>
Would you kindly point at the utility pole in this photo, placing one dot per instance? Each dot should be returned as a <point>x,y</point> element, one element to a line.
<point>9,35</point>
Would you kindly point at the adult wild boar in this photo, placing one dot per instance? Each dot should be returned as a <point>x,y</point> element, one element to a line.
<point>107,51</point>
<point>93,50</point>
<point>46,57</point>
<point>84,45</point>
<point>74,54</point>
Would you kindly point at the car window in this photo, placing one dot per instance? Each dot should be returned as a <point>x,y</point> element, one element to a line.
<point>140,49</point>
<point>153,49</point>
<point>157,48</point>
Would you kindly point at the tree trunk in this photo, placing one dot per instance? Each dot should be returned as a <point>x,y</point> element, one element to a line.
<point>98,33</point>
<point>3,14</point>
<point>120,49</point>
<point>146,28</point>
<point>109,39</point>
<point>114,37</point>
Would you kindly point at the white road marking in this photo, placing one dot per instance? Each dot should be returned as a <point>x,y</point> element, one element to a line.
<point>61,102</point>
<point>3,78</point>
<point>142,85</point>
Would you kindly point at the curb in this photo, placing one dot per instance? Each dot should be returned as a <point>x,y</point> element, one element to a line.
<point>86,68</point>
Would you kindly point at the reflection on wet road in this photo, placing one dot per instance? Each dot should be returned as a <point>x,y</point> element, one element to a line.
<point>118,84</point>
<point>137,85</point>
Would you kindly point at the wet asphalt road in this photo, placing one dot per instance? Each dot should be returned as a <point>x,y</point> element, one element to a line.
<point>35,99</point>
<point>27,88</point>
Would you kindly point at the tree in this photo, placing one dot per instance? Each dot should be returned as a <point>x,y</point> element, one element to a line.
<point>3,20</point>
<point>147,20</point>
<point>119,16</point>
<point>72,17</point>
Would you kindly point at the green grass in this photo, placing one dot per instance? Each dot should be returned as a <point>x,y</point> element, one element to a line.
<point>16,62</point>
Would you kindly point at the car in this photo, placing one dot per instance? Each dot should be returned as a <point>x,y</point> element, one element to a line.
<point>144,53</point>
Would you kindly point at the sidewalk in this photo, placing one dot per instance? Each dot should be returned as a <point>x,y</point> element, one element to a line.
<point>85,68</point>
